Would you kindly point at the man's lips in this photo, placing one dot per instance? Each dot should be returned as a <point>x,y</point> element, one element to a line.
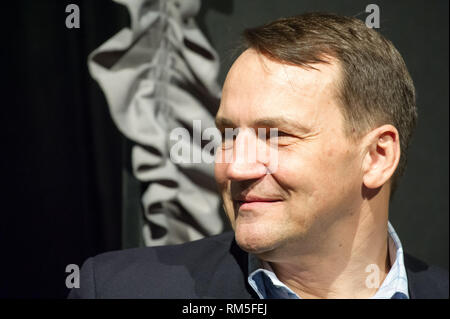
<point>254,202</point>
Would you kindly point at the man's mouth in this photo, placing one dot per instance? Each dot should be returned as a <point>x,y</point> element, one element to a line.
<point>255,202</point>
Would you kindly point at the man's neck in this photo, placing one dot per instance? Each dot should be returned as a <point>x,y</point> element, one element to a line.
<point>349,263</point>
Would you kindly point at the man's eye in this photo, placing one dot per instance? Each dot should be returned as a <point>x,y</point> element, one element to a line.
<point>229,134</point>
<point>227,137</point>
<point>283,139</point>
<point>227,140</point>
<point>279,134</point>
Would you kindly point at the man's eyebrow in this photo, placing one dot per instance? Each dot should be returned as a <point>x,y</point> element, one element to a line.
<point>281,123</point>
<point>222,123</point>
<point>269,122</point>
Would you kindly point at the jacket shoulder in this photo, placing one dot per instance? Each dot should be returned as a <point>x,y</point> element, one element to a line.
<point>172,271</point>
<point>168,254</point>
<point>425,281</point>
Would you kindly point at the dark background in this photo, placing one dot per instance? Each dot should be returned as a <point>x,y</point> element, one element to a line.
<point>63,160</point>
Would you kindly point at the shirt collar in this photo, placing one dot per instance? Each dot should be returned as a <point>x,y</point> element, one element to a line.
<point>395,286</point>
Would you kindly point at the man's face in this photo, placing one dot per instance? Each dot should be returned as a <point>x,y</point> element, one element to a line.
<point>317,181</point>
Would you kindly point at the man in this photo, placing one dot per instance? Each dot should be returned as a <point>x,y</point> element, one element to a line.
<point>315,225</point>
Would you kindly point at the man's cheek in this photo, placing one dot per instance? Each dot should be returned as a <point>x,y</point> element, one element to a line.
<point>291,166</point>
<point>300,176</point>
<point>220,170</point>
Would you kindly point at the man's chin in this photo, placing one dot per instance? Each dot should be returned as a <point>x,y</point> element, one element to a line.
<point>254,243</point>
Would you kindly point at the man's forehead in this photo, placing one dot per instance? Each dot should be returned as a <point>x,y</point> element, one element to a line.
<point>251,63</point>
<point>257,87</point>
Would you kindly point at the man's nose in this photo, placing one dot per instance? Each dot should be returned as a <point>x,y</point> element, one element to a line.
<point>245,164</point>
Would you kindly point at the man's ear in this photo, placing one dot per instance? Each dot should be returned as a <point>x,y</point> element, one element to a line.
<point>382,154</point>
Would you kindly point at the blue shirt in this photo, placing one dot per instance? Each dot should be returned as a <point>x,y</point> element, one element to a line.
<point>395,286</point>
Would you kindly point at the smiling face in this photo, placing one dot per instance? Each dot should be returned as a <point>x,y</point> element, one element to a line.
<point>318,178</point>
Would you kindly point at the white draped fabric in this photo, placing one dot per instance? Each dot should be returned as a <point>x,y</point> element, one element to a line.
<point>158,75</point>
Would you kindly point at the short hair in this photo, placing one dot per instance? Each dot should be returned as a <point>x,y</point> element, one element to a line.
<point>375,87</point>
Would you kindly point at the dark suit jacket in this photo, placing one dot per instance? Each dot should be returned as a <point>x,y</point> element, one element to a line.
<point>213,267</point>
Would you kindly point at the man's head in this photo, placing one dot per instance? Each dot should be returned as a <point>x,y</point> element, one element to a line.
<point>343,103</point>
